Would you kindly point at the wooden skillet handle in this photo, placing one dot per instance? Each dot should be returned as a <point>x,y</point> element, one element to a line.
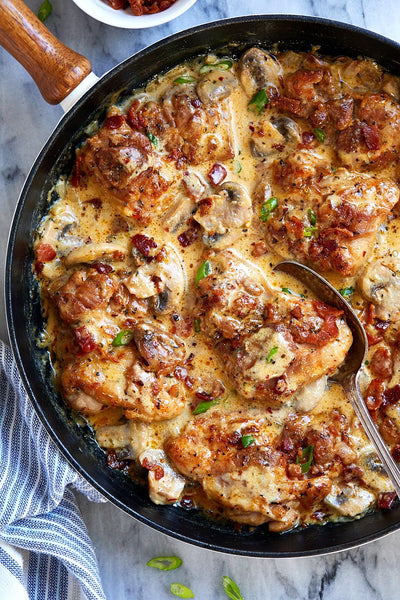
<point>55,68</point>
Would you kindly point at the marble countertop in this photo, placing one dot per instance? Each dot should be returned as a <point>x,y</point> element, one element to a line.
<point>123,545</point>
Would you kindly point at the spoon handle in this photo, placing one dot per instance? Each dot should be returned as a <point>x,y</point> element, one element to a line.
<point>352,389</point>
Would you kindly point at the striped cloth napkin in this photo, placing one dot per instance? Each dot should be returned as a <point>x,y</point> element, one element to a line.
<point>45,550</point>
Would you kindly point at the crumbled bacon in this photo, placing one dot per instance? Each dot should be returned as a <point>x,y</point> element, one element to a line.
<point>114,121</point>
<point>143,243</point>
<point>386,500</point>
<point>102,268</point>
<point>85,339</point>
<point>114,462</point>
<point>157,469</point>
<point>189,236</point>
<point>45,253</point>
<point>217,174</point>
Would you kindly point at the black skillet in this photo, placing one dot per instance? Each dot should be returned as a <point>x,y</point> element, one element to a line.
<point>22,299</point>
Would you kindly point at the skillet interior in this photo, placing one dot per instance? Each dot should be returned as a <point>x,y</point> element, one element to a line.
<point>22,298</point>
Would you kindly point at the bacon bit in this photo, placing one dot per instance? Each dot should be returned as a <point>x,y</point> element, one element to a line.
<point>102,268</point>
<point>382,363</point>
<point>289,104</point>
<point>318,515</point>
<point>97,203</point>
<point>45,253</point>
<point>189,236</point>
<point>373,339</point>
<point>187,502</point>
<point>114,462</point>
<point>396,453</point>
<point>143,243</point>
<point>217,174</point>
<point>203,396</point>
<point>386,500</point>
<point>157,469</point>
<point>391,396</point>
<point>204,206</point>
<point>381,325</point>
<point>307,137</point>
<point>352,472</point>
<point>182,374</point>
<point>114,122</point>
<point>371,136</point>
<point>176,155</point>
<point>161,256</point>
<point>375,395</point>
<point>196,102</point>
<point>77,175</point>
<point>85,339</point>
<point>39,268</point>
<point>259,248</point>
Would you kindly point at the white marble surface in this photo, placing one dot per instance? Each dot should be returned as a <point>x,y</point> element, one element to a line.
<point>123,546</point>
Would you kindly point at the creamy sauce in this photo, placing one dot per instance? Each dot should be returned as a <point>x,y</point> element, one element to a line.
<point>91,212</point>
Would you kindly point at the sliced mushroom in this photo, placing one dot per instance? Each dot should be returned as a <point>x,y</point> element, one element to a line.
<point>161,350</point>
<point>221,213</point>
<point>215,86</point>
<point>165,484</point>
<point>348,500</point>
<point>309,395</point>
<point>258,69</point>
<point>163,281</point>
<point>92,252</point>
<point>271,136</point>
<point>380,284</point>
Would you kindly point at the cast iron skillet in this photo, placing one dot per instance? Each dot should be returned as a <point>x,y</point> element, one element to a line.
<point>22,299</point>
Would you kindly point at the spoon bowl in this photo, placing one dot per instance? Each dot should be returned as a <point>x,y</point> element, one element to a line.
<point>349,373</point>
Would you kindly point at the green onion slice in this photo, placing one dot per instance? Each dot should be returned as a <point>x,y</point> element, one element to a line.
<point>272,353</point>
<point>312,217</point>
<point>259,100</point>
<point>181,590</point>
<point>204,406</point>
<point>123,338</point>
<point>152,138</point>
<point>231,589</point>
<point>238,167</point>
<point>309,231</point>
<point>197,325</point>
<point>44,10</point>
<point>288,291</point>
<point>366,363</point>
<point>165,563</point>
<point>247,440</point>
<point>346,292</point>
<point>185,79</point>
<point>267,208</point>
<point>307,456</point>
<point>204,271</point>
<point>319,134</point>
<point>222,65</point>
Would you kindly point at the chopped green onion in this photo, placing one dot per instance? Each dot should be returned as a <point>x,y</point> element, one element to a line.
<point>152,138</point>
<point>272,353</point>
<point>307,452</point>
<point>204,271</point>
<point>247,440</point>
<point>312,217</point>
<point>366,363</point>
<point>185,79</point>
<point>181,590</point>
<point>346,292</point>
<point>238,167</point>
<point>123,338</point>
<point>308,231</point>
<point>288,291</point>
<point>165,563</point>
<point>259,100</point>
<point>333,169</point>
<point>44,10</point>
<point>231,589</point>
<point>319,134</point>
<point>222,65</point>
<point>197,325</point>
<point>204,406</point>
<point>267,208</point>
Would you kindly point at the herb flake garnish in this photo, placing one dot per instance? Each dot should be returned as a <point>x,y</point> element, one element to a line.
<point>272,353</point>
<point>122,338</point>
<point>185,79</point>
<point>267,208</point>
<point>196,325</point>
<point>347,291</point>
<point>204,271</point>
<point>307,456</point>
<point>319,134</point>
<point>222,65</point>
<point>45,10</point>
<point>309,231</point>
<point>182,591</point>
<point>259,100</point>
<point>247,440</point>
<point>312,217</point>
<point>165,563</point>
<point>152,138</point>
<point>204,406</point>
<point>231,589</point>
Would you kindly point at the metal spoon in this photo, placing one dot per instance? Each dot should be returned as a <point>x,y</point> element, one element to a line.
<point>349,373</point>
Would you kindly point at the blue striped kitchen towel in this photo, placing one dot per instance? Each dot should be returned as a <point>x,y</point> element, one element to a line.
<point>45,550</point>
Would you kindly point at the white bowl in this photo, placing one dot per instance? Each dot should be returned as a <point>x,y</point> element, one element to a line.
<point>102,11</point>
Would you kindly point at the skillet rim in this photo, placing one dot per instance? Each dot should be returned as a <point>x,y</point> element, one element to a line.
<point>19,346</point>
